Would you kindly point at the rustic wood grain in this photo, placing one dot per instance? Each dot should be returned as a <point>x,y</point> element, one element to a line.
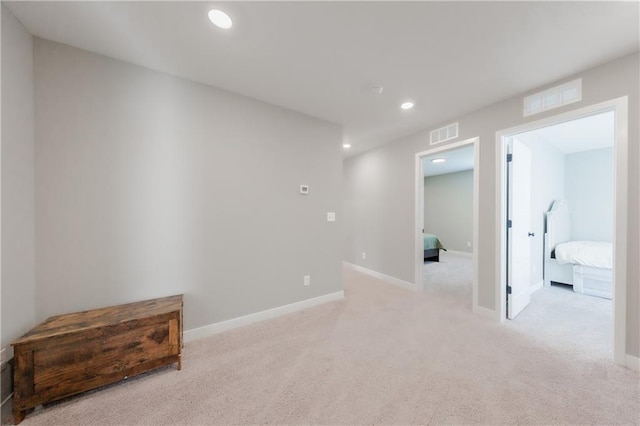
<point>72,353</point>
<point>95,318</point>
<point>174,339</point>
<point>23,383</point>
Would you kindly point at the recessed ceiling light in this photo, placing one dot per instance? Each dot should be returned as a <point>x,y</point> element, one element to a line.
<point>407,105</point>
<point>346,145</point>
<point>438,160</point>
<point>220,19</point>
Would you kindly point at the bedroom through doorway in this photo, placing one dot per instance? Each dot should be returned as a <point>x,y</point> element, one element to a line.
<point>559,263</point>
<point>447,220</point>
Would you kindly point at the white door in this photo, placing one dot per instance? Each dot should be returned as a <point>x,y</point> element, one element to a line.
<point>519,228</point>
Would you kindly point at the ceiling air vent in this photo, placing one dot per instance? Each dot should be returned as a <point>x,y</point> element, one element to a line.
<point>444,134</point>
<point>555,97</point>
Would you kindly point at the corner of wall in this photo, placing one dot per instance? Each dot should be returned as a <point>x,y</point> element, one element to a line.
<point>17,278</point>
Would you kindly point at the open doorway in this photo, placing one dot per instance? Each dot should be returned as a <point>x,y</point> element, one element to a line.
<point>447,218</point>
<point>448,222</point>
<point>572,185</point>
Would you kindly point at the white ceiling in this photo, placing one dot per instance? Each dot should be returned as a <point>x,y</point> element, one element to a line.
<point>321,58</point>
<point>457,160</point>
<point>585,134</point>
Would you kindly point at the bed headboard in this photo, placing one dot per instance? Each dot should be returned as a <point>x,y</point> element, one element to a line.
<point>558,225</point>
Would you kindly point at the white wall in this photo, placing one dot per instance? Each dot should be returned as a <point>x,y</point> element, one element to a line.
<point>547,184</point>
<point>379,188</point>
<point>589,191</point>
<point>448,209</point>
<point>18,252</point>
<point>149,185</point>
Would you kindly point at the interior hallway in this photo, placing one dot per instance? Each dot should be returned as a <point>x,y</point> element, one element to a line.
<point>383,355</point>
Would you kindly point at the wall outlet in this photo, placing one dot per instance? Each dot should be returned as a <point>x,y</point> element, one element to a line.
<point>364,255</point>
<point>331,216</point>
<point>307,280</point>
<point>468,243</point>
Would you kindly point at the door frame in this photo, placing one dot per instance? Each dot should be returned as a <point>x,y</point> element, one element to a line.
<point>419,213</point>
<point>620,226</point>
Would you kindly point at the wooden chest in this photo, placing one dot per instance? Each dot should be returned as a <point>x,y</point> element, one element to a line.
<point>73,353</point>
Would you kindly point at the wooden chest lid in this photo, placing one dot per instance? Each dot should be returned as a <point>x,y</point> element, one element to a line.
<point>94,318</point>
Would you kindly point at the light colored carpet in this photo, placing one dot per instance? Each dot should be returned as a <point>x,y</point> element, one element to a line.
<point>384,355</point>
<point>572,322</point>
<point>451,276</point>
<point>581,325</point>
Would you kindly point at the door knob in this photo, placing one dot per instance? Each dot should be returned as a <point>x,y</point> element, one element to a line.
<point>531,234</point>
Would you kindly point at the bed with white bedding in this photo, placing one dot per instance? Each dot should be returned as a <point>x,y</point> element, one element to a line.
<point>588,253</point>
<point>585,265</point>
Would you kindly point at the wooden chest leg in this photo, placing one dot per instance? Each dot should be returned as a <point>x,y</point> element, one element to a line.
<point>174,340</point>
<point>24,386</point>
<point>18,415</point>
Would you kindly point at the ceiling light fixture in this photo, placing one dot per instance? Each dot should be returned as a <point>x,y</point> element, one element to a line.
<point>346,145</point>
<point>407,105</point>
<point>220,19</point>
<point>438,160</point>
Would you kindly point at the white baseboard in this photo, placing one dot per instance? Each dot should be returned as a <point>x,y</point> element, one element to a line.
<point>6,411</point>
<point>462,253</point>
<point>537,286</point>
<point>386,278</point>
<point>633,362</point>
<point>219,327</point>
<point>6,390</point>
<point>6,399</point>
<point>485,313</point>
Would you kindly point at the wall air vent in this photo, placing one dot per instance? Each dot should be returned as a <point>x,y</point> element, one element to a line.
<point>555,97</point>
<point>443,134</point>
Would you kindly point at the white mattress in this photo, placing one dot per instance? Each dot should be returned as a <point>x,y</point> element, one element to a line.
<point>588,253</point>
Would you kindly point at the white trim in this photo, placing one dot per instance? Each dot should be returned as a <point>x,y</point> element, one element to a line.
<point>620,106</point>
<point>460,253</point>
<point>219,327</point>
<point>537,286</point>
<point>386,278</point>
<point>619,288</point>
<point>476,225</point>
<point>419,212</point>
<point>486,313</point>
<point>6,409</point>
<point>633,362</point>
<point>6,399</point>
<point>418,248</point>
